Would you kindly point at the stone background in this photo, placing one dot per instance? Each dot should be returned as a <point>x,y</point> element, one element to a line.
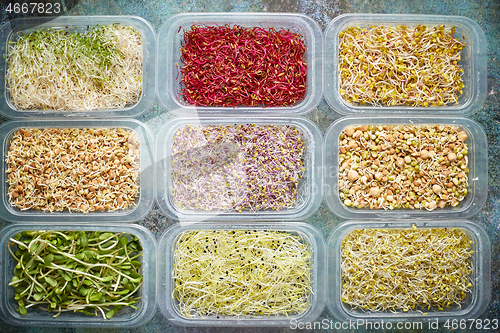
<point>485,12</point>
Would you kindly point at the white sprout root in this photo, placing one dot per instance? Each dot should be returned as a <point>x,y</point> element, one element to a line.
<point>403,166</point>
<point>404,270</point>
<point>73,169</point>
<point>400,65</point>
<point>63,71</point>
<point>237,167</point>
<point>242,273</point>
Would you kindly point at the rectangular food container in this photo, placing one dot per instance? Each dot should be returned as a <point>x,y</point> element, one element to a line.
<point>126,317</point>
<point>473,62</point>
<point>146,185</point>
<point>309,188</point>
<point>477,162</point>
<point>13,30</point>
<point>169,306</point>
<point>474,303</point>
<point>169,60</point>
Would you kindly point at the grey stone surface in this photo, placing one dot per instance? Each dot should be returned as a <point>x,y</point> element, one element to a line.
<point>485,12</point>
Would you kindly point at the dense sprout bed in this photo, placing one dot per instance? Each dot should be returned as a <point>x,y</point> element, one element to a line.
<point>71,71</point>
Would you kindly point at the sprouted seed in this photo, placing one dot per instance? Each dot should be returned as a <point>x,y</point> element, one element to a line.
<point>237,66</point>
<point>241,273</point>
<point>73,169</point>
<point>403,166</point>
<point>237,167</point>
<point>402,270</point>
<point>70,71</point>
<point>400,65</point>
<point>95,273</point>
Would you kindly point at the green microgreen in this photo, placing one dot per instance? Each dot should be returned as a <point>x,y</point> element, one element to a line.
<point>66,271</point>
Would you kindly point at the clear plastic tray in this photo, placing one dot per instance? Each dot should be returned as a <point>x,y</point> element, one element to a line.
<point>127,317</point>
<point>478,170</point>
<point>146,184</point>
<point>475,302</point>
<point>168,305</point>
<point>309,188</point>
<point>169,43</point>
<point>10,30</point>
<point>473,62</point>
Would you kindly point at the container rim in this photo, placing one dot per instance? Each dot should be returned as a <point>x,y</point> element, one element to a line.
<point>314,186</point>
<point>167,59</point>
<point>478,64</point>
<point>165,251</point>
<point>149,262</point>
<point>478,166</point>
<point>146,180</point>
<point>481,270</point>
<point>147,97</point>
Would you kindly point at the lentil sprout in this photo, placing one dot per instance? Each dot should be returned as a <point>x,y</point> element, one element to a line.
<point>403,270</point>
<point>400,65</point>
<point>403,166</point>
<point>73,169</point>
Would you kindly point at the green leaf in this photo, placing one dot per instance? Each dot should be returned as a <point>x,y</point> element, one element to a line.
<point>26,257</point>
<point>123,292</point>
<point>58,258</point>
<point>110,313</point>
<point>48,259</point>
<point>83,240</point>
<point>107,244</point>
<point>89,254</point>
<point>105,235</point>
<point>38,296</point>
<point>95,297</point>
<point>83,291</point>
<point>123,241</point>
<point>22,310</point>
<point>107,278</point>
<point>33,247</point>
<point>136,263</point>
<point>50,281</point>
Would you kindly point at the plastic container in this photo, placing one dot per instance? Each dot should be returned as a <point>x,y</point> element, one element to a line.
<point>127,317</point>
<point>10,32</point>
<point>309,188</point>
<point>474,304</point>
<point>473,62</point>
<point>168,305</point>
<point>477,159</point>
<point>146,186</point>
<point>171,34</point>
